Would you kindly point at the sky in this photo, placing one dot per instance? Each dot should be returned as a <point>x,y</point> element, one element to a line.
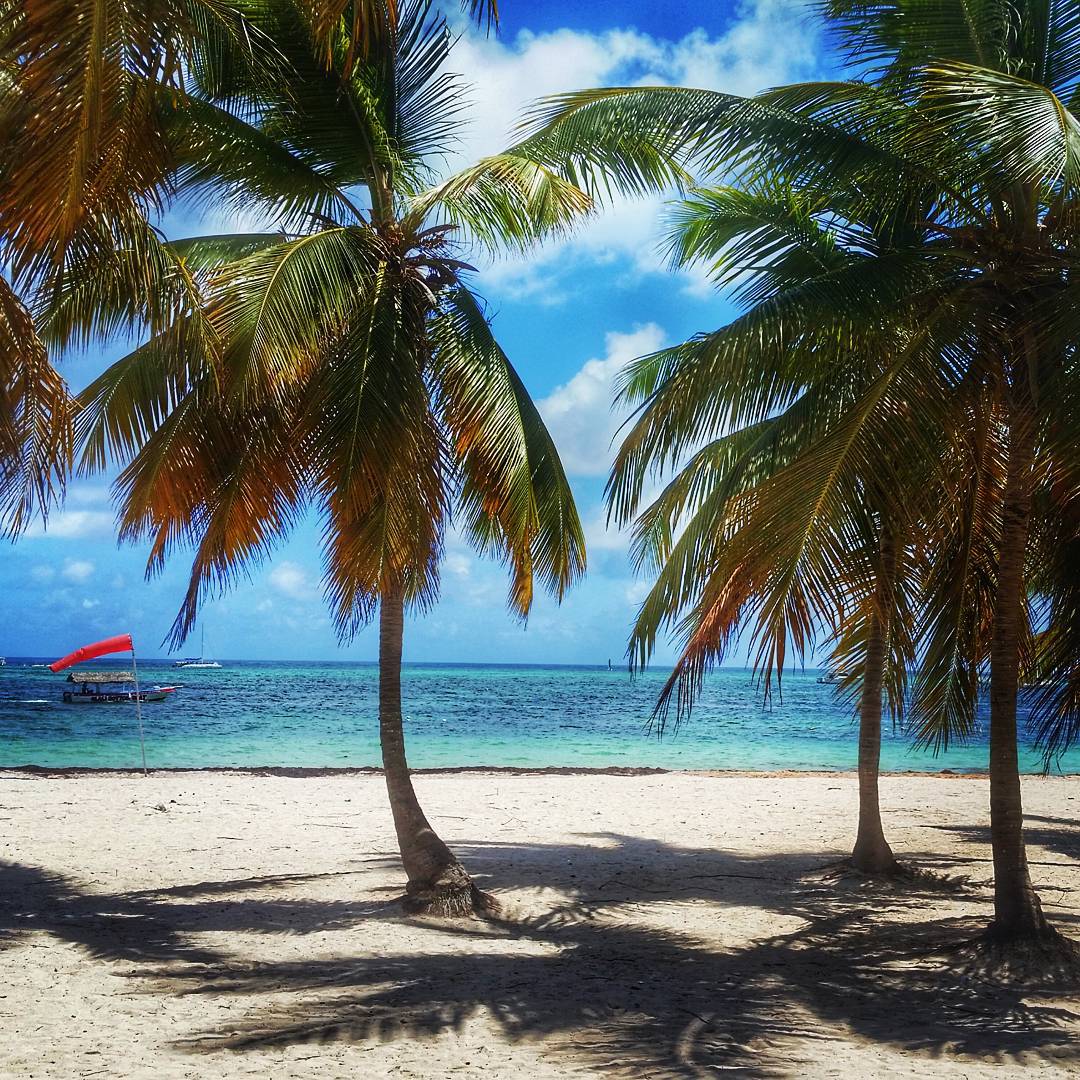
<point>570,315</point>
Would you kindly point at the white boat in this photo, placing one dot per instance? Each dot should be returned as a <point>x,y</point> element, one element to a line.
<point>3,661</point>
<point>831,677</point>
<point>192,662</point>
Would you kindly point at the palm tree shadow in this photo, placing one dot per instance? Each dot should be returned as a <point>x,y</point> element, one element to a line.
<point>1060,836</point>
<point>156,925</point>
<point>642,999</point>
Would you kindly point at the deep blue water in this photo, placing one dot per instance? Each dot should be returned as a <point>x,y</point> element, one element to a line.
<point>325,714</point>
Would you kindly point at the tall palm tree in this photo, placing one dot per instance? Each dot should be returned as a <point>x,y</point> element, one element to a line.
<point>974,110</point>
<point>834,559</point>
<point>345,365</point>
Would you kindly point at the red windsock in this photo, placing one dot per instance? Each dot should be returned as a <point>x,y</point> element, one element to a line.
<point>120,643</point>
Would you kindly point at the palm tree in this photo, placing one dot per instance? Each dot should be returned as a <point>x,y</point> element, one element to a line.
<point>971,113</point>
<point>345,365</point>
<point>833,558</point>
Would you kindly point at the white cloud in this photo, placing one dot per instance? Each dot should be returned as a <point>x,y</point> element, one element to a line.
<point>292,580</point>
<point>88,604</point>
<point>74,524</point>
<point>87,495</point>
<point>768,42</point>
<point>579,413</point>
<point>458,564</point>
<point>77,569</point>
<point>43,573</point>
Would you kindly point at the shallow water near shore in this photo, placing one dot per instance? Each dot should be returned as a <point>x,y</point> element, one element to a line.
<point>325,715</point>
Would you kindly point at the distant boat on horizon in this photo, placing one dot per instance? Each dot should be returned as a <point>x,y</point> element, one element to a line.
<point>833,677</point>
<point>200,661</point>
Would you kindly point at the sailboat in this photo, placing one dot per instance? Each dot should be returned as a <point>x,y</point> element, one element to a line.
<point>199,661</point>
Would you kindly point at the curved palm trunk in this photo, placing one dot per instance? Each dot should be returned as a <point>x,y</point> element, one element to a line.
<point>872,853</point>
<point>1017,911</point>
<point>437,882</point>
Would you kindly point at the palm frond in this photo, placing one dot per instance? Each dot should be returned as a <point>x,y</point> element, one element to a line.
<point>36,415</point>
<point>503,201</point>
<point>515,498</point>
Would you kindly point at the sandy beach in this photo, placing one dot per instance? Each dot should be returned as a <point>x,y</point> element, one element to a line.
<point>667,925</point>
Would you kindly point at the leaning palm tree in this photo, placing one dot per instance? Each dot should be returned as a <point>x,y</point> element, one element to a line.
<point>345,365</point>
<point>995,157</point>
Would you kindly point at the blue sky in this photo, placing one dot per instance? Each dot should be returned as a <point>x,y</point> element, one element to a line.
<point>569,316</point>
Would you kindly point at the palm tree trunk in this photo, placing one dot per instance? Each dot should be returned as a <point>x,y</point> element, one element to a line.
<point>437,882</point>
<point>872,854</point>
<point>1017,912</point>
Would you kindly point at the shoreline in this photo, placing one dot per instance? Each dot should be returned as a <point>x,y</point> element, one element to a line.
<point>300,772</point>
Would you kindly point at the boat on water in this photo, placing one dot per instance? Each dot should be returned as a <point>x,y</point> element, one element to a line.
<point>199,661</point>
<point>110,688</point>
<point>3,661</point>
<point>832,677</point>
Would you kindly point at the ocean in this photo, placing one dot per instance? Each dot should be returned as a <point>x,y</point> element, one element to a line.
<point>325,715</point>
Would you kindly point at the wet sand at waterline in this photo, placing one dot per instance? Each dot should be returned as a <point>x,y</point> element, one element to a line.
<point>674,925</point>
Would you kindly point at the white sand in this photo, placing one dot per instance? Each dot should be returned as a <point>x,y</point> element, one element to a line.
<point>204,925</point>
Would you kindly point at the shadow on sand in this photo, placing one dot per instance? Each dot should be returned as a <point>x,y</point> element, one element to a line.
<point>603,976</point>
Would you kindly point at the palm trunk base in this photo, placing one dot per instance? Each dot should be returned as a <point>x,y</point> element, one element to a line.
<point>1018,910</point>
<point>1037,955</point>
<point>893,876</point>
<point>452,895</point>
<point>872,855</point>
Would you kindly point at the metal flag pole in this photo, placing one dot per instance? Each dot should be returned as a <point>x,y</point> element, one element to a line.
<point>138,709</point>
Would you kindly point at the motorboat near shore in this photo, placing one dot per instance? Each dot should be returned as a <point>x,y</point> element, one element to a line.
<point>111,688</point>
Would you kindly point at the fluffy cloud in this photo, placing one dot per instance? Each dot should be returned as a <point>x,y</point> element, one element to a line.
<point>458,563</point>
<point>292,580</point>
<point>579,413</point>
<point>508,76</point>
<point>74,524</point>
<point>77,569</point>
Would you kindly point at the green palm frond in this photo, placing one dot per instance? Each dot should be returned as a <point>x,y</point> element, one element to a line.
<point>503,201</point>
<point>1016,131</point>
<point>515,498</point>
<point>955,624</point>
<point>757,240</point>
<point>220,154</point>
<point>36,415</point>
<point>277,307</point>
<point>379,463</point>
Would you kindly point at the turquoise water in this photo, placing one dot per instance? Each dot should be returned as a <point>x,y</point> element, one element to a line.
<point>325,714</point>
